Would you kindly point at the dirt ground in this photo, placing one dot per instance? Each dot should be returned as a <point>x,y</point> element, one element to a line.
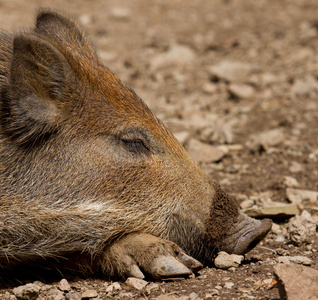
<point>168,52</point>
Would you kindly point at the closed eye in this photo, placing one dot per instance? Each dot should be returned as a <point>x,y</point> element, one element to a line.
<point>135,145</point>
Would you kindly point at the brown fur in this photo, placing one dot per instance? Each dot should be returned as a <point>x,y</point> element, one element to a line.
<point>85,165</point>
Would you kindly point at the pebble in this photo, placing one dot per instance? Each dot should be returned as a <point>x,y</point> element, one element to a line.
<point>295,167</point>
<point>136,283</point>
<point>209,88</point>
<point>266,139</point>
<point>202,152</point>
<point>176,55</point>
<point>301,260</point>
<point>228,285</point>
<point>54,294</point>
<point>64,285</point>
<point>29,291</point>
<point>225,260</point>
<point>73,296</point>
<point>297,196</point>
<point>231,71</point>
<point>241,91</point>
<point>290,181</point>
<point>193,296</point>
<point>121,13</point>
<point>89,294</point>
<point>115,286</point>
<point>302,228</point>
<point>302,88</point>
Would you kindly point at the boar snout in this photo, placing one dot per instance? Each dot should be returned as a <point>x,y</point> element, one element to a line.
<point>246,234</point>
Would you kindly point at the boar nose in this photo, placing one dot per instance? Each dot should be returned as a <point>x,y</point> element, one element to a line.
<point>246,234</point>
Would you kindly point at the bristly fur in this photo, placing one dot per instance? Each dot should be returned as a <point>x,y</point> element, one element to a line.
<point>90,179</point>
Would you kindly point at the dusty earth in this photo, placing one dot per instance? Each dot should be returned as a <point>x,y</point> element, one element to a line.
<point>179,55</point>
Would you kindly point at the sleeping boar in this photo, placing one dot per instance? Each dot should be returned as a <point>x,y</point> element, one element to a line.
<point>91,181</point>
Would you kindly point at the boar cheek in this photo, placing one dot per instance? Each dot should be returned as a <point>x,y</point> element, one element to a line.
<point>224,212</point>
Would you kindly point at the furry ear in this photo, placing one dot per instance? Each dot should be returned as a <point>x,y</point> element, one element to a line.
<point>39,80</point>
<point>61,30</point>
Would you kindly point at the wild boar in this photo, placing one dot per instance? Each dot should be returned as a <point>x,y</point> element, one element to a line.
<point>91,180</point>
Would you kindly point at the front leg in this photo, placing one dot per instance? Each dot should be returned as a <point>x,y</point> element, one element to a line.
<point>137,254</point>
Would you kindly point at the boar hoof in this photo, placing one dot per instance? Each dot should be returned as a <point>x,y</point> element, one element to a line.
<point>136,254</point>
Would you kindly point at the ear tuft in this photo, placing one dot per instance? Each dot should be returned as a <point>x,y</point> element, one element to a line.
<point>32,100</point>
<point>62,30</point>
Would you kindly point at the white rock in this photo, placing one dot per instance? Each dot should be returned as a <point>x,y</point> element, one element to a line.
<point>193,296</point>
<point>231,70</point>
<point>295,167</point>
<point>228,285</point>
<point>64,285</point>
<point>176,55</point>
<point>290,181</point>
<point>304,87</point>
<point>89,294</point>
<point>209,88</point>
<point>302,228</point>
<point>300,260</point>
<point>136,283</point>
<point>297,196</point>
<point>115,286</point>
<point>241,91</point>
<point>225,260</point>
<point>29,291</point>
<point>247,203</point>
<point>204,152</point>
<point>266,139</point>
<point>121,13</point>
<point>55,294</point>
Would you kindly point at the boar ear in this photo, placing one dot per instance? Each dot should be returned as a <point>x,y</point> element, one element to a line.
<point>63,30</point>
<point>36,90</point>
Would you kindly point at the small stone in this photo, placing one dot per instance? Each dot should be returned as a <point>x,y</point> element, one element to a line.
<point>280,239</point>
<point>89,294</point>
<point>231,71</point>
<point>176,55</point>
<point>302,88</point>
<point>247,204</point>
<point>302,228</point>
<point>136,283</point>
<point>54,294</point>
<point>64,285</point>
<point>182,136</point>
<point>300,260</point>
<point>204,152</point>
<point>297,196</point>
<point>152,287</point>
<point>29,291</point>
<point>209,88</point>
<point>290,181</point>
<point>295,167</point>
<point>85,19</point>
<point>266,139</point>
<point>225,260</point>
<point>228,285</point>
<point>121,13</point>
<point>296,282</point>
<point>193,296</point>
<point>73,296</point>
<point>115,286</point>
<point>241,91</point>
